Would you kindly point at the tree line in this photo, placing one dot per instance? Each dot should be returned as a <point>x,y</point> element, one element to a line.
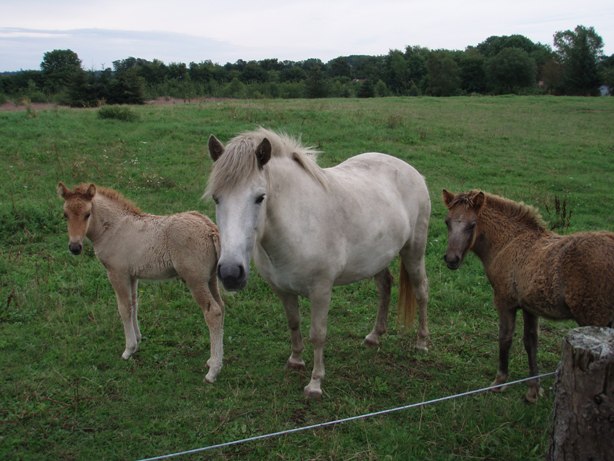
<point>575,65</point>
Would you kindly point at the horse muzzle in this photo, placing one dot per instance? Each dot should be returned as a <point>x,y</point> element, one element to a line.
<point>232,276</point>
<point>453,262</point>
<point>75,248</point>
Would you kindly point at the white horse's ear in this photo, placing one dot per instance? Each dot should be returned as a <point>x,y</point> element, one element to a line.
<point>447,197</point>
<point>216,148</point>
<point>91,191</point>
<point>263,152</point>
<point>62,190</point>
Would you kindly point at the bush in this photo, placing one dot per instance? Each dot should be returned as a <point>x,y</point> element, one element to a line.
<point>118,112</point>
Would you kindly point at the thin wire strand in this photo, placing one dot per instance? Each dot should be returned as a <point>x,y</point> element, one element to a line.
<point>345,420</point>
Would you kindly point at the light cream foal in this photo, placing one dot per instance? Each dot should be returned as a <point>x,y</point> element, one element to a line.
<point>133,245</point>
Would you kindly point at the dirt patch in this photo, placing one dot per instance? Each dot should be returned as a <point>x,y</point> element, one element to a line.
<point>37,106</point>
<point>12,107</point>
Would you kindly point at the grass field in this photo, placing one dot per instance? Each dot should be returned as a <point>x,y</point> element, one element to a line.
<point>66,394</point>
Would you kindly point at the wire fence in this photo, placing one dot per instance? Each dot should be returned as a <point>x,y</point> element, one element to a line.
<point>344,420</point>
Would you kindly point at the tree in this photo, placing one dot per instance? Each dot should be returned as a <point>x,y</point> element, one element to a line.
<point>315,84</point>
<point>339,67</point>
<point>606,70</point>
<point>493,45</point>
<point>579,51</point>
<point>510,71</point>
<point>417,57</point>
<point>473,76</point>
<point>443,74</point>
<point>397,72</point>
<point>59,68</point>
<point>127,88</point>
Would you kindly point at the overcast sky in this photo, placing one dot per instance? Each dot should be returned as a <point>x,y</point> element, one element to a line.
<point>222,31</point>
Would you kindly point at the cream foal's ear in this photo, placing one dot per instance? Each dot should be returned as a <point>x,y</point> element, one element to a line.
<point>91,191</point>
<point>61,190</point>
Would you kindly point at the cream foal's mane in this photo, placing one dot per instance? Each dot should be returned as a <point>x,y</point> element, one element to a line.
<point>112,195</point>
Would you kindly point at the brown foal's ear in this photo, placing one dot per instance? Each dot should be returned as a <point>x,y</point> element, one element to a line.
<point>216,148</point>
<point>447,197</point>
<point>478,201</point>
<point>62,190</point>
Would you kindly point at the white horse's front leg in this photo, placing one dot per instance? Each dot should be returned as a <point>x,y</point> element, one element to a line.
<point>123,292</point>
<point>319,317</point>
<point>290,302</point>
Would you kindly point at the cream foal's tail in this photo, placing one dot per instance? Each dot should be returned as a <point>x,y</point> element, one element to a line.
<point>407,300</point>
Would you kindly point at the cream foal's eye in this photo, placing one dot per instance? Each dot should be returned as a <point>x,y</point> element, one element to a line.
<point>260,199</point>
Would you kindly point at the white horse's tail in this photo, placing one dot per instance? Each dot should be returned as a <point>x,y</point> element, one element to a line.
<point>407,300</point>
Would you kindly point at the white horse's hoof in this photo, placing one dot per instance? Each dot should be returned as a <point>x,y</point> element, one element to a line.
<point>294,364</point>
<point>422,345</point>
<point>313,393</point>
<point>371,340</point>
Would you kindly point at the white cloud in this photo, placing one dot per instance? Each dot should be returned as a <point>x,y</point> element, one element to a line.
<point>224,31</point>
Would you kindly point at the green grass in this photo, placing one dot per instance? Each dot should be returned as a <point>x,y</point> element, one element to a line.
<point>66,394</point>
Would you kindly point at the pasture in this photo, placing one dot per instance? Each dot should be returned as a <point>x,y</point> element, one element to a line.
<point>65,393</point>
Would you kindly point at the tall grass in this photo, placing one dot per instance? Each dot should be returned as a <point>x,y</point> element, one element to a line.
<point>65,392</point>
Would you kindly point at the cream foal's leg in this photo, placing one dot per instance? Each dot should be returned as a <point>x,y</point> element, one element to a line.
<point>290,303</point>
<point>123,292</point>
<point>320,301</point>
<point>134,288</point>
<point>214,316</point>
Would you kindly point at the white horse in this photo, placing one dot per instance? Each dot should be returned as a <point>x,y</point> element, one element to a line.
<point>311,228</point>
<point>133,245</point>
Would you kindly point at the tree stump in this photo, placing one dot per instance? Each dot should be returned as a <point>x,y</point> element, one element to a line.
<point>583,414</point>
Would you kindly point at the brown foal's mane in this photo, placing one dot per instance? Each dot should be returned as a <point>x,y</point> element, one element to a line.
<point>520,212</point>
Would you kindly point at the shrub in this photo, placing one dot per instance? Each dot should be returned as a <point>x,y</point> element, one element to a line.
<point>118,112</point>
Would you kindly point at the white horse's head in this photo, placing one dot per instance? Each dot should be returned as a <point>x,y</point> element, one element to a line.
<point>238,187</point>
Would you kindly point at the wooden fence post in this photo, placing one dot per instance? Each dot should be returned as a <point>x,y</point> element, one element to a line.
<point>583,414</point>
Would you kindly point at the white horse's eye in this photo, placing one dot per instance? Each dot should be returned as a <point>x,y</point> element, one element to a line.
<point>216,200</point>
<point>260,199</point>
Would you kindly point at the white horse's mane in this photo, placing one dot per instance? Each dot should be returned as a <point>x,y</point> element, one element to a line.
<point>239,162</point>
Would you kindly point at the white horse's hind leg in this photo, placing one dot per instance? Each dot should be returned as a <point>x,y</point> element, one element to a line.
<point>383,281</point>
<point>320,302</point>
<point>214,316</point>
<point>123,292</point>
<point>290,302</point>
<point>414,264</point>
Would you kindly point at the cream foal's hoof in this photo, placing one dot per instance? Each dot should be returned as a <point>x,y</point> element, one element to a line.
<point>128,353</point>
<point>214,370</point>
